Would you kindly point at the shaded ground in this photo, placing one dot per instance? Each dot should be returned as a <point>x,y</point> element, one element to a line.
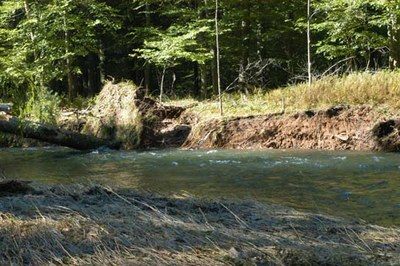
<point>80,226</point>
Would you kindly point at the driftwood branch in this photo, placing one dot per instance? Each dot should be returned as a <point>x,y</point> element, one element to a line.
<point>51,134</point>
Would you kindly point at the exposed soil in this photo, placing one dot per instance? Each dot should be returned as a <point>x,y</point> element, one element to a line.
<point>338,128</point>
<point>90,226</point>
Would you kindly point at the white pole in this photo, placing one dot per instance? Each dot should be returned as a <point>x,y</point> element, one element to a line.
<point>309,44</point>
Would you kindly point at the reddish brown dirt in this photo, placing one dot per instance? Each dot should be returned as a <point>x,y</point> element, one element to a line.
<point>338,128</point>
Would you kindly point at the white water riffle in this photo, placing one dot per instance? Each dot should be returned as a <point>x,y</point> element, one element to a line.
<point>351,184</point>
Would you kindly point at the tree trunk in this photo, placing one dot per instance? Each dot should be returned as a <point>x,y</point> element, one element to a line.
<point>31,34</point>
<point>218,58</point>
<point>102,63</point>
<point>203,77</point>
<point>162,83</point>
<point>196,80</point>
<point>214,73</point>
<point>147,69</point>
<point>68,62</point>
<point>245,36</point>
<point>309,45</point>
<point>94,79</point>
<point>202,13</point>
<point>394,39</point>
<point>53,135</point>
<point>70,80</point>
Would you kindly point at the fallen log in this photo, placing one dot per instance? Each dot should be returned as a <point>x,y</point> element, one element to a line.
<point>53,135</point>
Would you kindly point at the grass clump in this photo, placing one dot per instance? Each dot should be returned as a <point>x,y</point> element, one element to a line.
<point>361,88</point>
<point>116,115</point>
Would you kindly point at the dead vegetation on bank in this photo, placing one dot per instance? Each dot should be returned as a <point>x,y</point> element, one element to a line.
<point>80,226</point>
<point>123,114</point>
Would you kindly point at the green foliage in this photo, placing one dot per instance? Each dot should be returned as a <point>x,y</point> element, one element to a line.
<point>42,106</point>
<point>35,37</point>
<point>350,28</point>
<point>68,44</point>
<point>176,43</point>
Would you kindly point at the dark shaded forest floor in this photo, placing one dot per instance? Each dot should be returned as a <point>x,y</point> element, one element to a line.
<point>79,226</point>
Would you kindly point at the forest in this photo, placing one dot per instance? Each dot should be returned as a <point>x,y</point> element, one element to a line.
<point>59,51</point>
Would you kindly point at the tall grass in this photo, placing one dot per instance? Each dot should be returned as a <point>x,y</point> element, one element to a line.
<point>362,88</point>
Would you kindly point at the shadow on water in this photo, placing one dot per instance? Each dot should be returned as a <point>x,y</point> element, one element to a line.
<point>349,184</point>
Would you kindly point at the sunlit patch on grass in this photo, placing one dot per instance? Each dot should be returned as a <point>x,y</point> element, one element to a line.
<point>381,88</point>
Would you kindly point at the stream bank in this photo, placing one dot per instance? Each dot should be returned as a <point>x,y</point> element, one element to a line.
<point>361,128</point>
<point>122,113</point>
<point>79,225</point>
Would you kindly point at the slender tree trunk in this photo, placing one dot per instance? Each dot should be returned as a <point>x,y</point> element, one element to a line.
<point>196,80</point>
<point>203,68</point>
<point>147,66</point>
<point>203,77</point>
<point>162,83</point>
<point>245,35</point>
<point>31,34</point>
<point>196,67</point>
<point>68,61</point>
<point>309,44</point>
<point>70,79</point>
<point>102,62</point>
<point>93,74</point>
<point>218,58</point>
<point>214,72</point>
<point>394,38</point>
<point>38,79</point>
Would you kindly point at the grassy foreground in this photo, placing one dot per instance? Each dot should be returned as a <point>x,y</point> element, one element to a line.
<point>381,88</point>
<point>80,226</point>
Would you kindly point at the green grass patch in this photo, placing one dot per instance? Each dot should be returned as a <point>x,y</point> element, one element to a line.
<point>361,88</point>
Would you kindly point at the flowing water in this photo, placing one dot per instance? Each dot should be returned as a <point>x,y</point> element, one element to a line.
<point>348,184</point>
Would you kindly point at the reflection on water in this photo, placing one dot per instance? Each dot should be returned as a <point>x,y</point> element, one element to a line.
<point>361,185</point>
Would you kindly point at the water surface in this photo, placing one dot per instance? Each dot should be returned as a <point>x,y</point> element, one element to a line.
<point>348,184</point>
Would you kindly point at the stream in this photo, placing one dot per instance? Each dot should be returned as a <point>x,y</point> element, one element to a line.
<point>360,185</point>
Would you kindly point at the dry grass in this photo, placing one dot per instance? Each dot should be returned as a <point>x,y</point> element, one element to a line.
<point>380,88</point>
<point>79,226</point>
<point>115,115</point>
